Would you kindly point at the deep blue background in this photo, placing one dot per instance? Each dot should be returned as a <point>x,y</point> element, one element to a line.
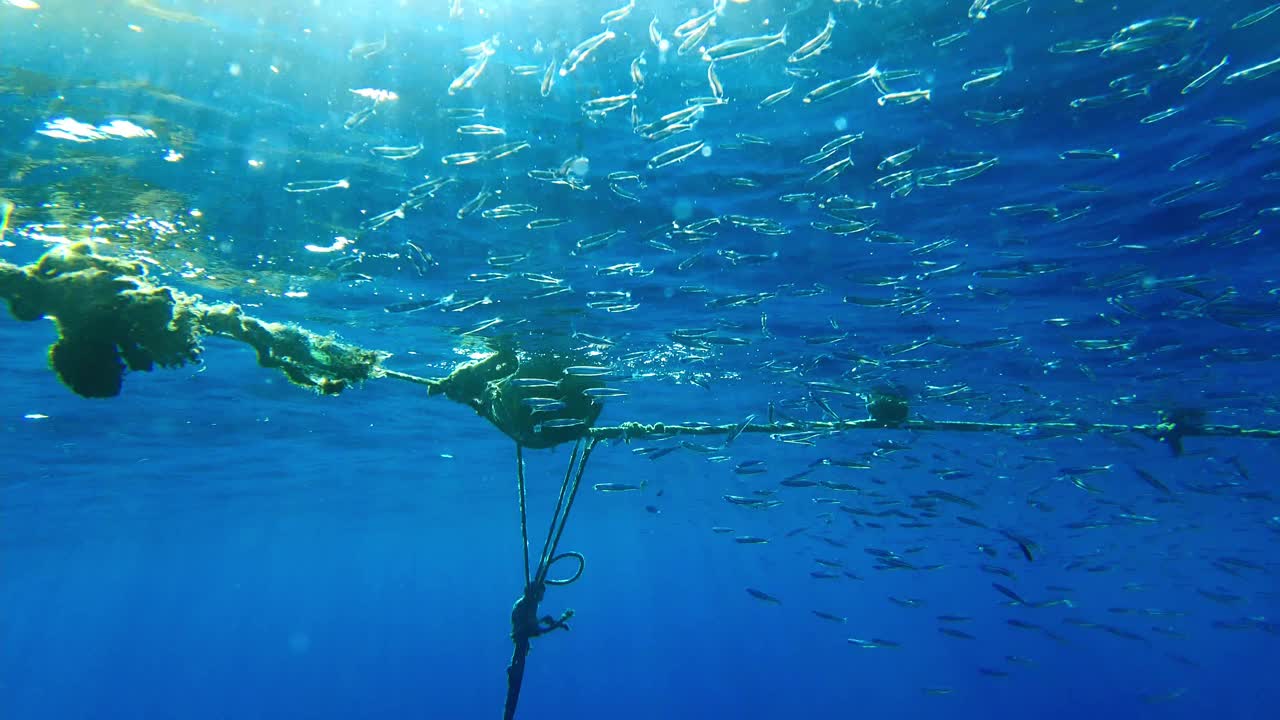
<point>216,544</point>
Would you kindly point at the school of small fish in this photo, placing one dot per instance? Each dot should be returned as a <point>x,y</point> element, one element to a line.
<point>741,67</point>
<point>665,164</point>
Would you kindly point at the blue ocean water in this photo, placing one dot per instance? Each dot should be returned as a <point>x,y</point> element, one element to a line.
<point>1083,235</point>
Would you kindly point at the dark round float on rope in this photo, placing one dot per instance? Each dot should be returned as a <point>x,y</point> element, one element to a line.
<point>888,405</point>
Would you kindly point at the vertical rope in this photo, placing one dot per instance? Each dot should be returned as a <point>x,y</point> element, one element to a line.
<point>572,481</point>
<point>524,619</point>
<point>545,559</point>
<point>524,515</point>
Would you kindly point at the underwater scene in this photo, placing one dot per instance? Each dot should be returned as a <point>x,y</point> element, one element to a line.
<point>746,359</point>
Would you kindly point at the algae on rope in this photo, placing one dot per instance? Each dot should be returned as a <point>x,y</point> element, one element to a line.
<point>111,318</point>
<point>491,387</point>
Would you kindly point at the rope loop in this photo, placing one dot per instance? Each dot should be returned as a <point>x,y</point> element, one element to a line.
<point>582,566</point>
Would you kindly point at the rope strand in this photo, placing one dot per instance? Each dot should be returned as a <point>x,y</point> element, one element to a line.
<point>524,515</point>
<point>544,561</point>
<point>635,430</point>
<point>573,493</point>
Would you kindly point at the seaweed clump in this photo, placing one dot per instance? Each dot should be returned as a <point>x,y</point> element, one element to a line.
<point>111,319</point>
<point>320,362</point>
<point>532,399</point>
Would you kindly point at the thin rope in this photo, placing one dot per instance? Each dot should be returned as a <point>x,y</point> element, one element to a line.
<point>548,546</point>
<point>415,379</point>
<point>524,514</point>
<point>573,493</point>
<point>628,430</point>
<point>635,430</point>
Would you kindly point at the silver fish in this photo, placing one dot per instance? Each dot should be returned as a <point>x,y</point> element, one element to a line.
<point>742,47</point>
